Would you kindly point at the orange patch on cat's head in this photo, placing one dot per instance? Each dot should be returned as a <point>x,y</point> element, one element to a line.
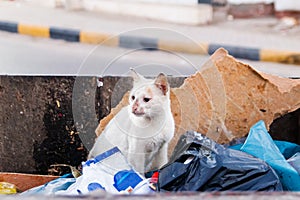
<point>149,91</point>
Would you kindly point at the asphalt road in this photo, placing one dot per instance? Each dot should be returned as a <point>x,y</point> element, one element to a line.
<point>25,55</point>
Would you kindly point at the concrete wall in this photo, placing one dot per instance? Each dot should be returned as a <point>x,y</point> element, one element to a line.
<point>175,11</point>
<point>179,2</point>
<point>249,1</point>
<point>289,5</point>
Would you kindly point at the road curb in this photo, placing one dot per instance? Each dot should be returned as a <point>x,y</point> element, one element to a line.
<point>148,43</point>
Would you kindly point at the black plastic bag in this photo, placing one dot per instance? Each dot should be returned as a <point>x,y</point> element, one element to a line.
<point>200,164</point>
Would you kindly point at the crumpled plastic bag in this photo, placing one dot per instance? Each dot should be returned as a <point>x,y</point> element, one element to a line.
<point>288,149</point>
<point>200,164</point>
<point>50,188</point>
<point>260,144</point>
<point>295,161</point>
<point>108,172</point>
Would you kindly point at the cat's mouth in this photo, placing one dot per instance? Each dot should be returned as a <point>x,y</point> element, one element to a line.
<point>139,114</point>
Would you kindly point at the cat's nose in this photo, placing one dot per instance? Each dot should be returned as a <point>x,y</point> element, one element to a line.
<point>134,108</point>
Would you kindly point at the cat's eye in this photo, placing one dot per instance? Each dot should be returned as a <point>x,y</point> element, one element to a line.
<point>132,97</point>
<point>146,99</point>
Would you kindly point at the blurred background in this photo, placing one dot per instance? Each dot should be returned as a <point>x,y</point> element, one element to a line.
<point>259,24</point>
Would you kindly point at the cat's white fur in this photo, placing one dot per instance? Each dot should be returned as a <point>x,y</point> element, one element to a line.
<point>143,129</point>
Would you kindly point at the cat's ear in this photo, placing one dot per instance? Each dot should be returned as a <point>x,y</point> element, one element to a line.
<point>136,76</point>
<point>161,82</point>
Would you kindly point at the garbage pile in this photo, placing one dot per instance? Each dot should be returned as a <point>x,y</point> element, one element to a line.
<point>256,163</point>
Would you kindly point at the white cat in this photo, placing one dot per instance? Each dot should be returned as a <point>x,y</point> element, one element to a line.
<point>143,129</point>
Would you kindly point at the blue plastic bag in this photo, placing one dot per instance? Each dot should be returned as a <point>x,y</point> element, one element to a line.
<point>260,144</point>
<point>295,161</point>
<point>287,149</point>
<point>50,188</point>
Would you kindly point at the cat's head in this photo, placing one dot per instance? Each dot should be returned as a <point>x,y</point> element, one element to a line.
<point>148,97</point>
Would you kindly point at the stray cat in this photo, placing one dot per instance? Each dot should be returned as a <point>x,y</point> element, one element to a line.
<point>143,129</point>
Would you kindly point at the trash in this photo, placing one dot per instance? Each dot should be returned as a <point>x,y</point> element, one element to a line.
<point>260,144</point>
<point>200,164</point>
<point>143,188</point>
<point>50,188</point>
<point>153,181</point>
<point>75,172</point>
<point>7,188</point>
<point>295,161</point>
<point>287,149</point>
<point>109,172</point>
